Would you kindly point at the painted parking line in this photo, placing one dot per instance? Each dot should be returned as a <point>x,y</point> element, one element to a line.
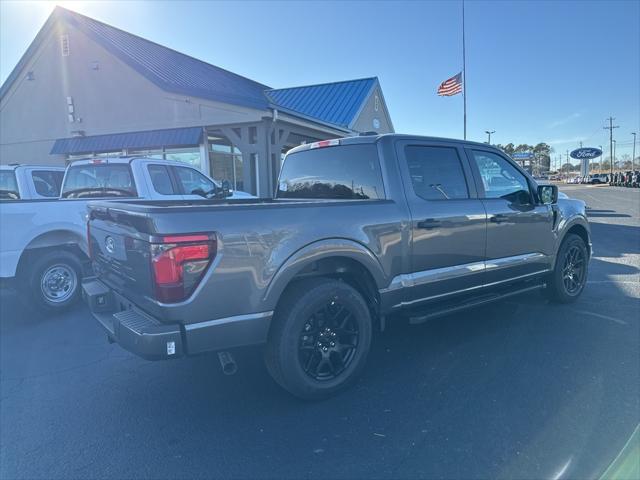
<point>583,312</point>
<point>604,317</point>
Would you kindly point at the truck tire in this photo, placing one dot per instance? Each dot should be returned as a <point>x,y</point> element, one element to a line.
<point>569,277</point>
<point>319,339</point>
<point>52,281</point>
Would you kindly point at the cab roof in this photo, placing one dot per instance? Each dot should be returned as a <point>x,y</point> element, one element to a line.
<point>374,138</point>
<point>15,166</point>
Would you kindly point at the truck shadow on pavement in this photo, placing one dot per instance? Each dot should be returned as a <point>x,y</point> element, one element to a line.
<point>508,389</point>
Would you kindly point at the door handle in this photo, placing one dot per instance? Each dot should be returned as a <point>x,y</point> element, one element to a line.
<point>499,218</point>
<point>428,224</point>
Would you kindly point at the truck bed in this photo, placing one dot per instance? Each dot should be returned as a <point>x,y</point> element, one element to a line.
<point>253,244</point>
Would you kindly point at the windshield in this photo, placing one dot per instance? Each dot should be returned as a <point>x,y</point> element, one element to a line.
<point>99,180</point>
<point>8,185</point>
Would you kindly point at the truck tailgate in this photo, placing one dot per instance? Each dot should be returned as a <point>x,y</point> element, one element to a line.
<point>120,257</point>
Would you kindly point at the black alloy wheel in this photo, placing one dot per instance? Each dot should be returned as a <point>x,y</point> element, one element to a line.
<point>328,341</point>
<point>574,269</point>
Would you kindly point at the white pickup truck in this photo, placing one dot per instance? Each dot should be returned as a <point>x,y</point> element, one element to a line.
<point>29,182</point>
<point>43,246</point>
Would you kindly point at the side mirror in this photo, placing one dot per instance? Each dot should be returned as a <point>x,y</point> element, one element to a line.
<point>199,191</point>
<point>226,188</point>
<point>548,194</point>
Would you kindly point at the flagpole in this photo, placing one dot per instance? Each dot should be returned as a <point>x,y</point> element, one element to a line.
<point>464,75</point>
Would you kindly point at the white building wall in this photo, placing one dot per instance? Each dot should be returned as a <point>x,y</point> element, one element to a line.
<point>108,97</point>
<point>369,113</point>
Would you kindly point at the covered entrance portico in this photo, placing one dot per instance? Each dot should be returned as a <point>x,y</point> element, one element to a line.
<point>249,155</point>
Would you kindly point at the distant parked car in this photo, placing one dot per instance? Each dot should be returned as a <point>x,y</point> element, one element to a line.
<point>628,178</point>
<point>30,182</point>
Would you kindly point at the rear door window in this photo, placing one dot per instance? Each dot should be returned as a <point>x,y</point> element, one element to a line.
<point>99,180</point>
<point>8,185</point>
<point>348,172</point>
<point>161,180</point>
<point>436,172</point>
<point>47,182</point>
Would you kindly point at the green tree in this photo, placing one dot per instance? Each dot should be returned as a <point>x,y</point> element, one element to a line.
<point>523,147</point>
<point>542,153</point>
<point>509,149</point>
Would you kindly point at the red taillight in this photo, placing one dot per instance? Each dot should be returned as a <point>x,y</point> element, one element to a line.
<point>179,262</point>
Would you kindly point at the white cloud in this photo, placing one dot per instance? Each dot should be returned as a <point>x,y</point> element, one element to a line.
<point>560,141</point>
<point>564,121</point>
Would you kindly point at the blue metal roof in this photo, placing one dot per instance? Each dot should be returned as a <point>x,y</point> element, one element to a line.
<point>170,70</point>
<point>173,137</point>
<point>337,103</point>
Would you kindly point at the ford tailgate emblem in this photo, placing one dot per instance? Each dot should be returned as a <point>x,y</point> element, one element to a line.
<point>110,244</point>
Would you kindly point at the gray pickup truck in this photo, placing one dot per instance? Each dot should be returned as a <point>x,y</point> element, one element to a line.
<point>359,228</point>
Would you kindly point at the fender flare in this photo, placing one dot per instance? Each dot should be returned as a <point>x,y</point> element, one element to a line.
<point>51,239</point>
<point>575,220</point>
<point>57,236</point>
<point>318,250</point>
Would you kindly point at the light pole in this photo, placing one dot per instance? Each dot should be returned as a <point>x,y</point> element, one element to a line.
<point>633,157</point>
<point>489,132</point>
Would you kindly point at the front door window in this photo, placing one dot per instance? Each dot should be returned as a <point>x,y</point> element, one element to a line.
<point>500,179</point>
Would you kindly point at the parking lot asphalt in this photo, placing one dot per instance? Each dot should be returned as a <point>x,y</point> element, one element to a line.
<point>517,389</point>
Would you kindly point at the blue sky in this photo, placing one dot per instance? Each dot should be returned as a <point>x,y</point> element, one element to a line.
<point>536,71</point>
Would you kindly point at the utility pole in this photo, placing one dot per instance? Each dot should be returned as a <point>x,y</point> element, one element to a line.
<point>610,128</point>
<point>633,157</point>
<point>568,165</point>
<point>614,151</point>
<point>489,132</point>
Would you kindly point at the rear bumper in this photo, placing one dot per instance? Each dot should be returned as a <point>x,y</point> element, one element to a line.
<point>147,337</point>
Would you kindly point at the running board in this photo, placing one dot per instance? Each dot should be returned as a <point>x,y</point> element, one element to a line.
<point>472,303</point>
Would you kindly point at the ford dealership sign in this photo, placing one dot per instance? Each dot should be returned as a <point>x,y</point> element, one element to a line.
<point>586,153</point>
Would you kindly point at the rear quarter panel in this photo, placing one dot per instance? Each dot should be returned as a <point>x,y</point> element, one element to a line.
<point>38,223</point>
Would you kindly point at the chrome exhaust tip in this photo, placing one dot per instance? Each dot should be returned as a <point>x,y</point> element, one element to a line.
<point>228,364</point>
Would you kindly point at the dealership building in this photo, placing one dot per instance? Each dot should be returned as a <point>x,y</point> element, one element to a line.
<point>84,88</point>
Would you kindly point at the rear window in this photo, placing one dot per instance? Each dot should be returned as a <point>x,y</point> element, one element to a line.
<point>98,180</point>
<point>8,185</point>
<point>349,172</point>
<point>161,180</point>
<point>47,182</point>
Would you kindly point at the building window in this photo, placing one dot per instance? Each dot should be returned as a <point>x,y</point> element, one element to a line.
<point>157,153</point>
<point>226,162</point>
<point>376,103</point>
<point>84,156</point>
<point>190,155</point>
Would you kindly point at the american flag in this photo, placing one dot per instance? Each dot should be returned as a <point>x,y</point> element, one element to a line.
<point>451,86</point>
